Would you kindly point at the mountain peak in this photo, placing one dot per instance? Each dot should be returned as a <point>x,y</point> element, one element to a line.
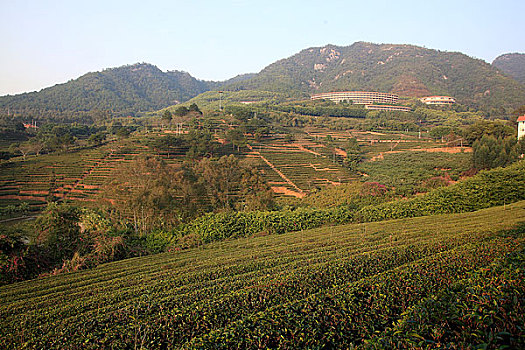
<point>512,64</point>
<point>408,70</point>
<point>124,90</point>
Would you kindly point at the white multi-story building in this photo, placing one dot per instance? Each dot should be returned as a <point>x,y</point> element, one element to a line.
<point>521,127</point>
<point>358,97</point>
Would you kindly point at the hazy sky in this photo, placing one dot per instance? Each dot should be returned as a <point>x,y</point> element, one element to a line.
<point>45,42</point>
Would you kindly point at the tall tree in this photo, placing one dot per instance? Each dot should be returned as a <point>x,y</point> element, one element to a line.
<point>490,152</point>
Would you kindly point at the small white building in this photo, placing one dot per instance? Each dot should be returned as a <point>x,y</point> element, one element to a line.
<point>521,127</point>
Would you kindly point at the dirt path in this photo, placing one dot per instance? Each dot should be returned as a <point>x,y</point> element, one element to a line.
<point>97,164</point>
<point>300,192</point>
<point>304,149</point>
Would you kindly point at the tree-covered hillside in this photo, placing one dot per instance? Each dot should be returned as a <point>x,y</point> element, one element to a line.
<point>407,70</point>
<point>125,90</point>
<point>512,64</point>
<point>403,69</point>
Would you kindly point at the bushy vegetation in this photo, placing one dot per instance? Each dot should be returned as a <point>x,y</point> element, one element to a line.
<point>487,189</point>
<point>62,239</point>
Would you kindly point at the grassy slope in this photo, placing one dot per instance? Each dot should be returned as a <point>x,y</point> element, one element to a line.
<point>271,291</point>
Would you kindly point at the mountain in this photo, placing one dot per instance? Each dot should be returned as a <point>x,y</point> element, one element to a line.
<point>407,70</point>
<point>512,64</point>
<point>124,90</point>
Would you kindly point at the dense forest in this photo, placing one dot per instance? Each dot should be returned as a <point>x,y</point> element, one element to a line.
<point>127,90</point>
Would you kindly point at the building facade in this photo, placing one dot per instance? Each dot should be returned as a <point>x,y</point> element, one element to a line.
<point>438,100</point>
<point>358,97</point>
<point>521,127</point>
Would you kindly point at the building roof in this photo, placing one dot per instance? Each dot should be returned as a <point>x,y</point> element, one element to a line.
<point>521,119</point>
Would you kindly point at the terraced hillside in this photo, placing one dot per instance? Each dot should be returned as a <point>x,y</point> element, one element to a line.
<point>295,168</point>
<point>291,168</point>
<point>76,175</point>
<point>353,285</point>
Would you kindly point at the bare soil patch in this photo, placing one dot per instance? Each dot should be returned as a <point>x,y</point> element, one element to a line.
<point>340,152</point>
<point>89,187</point>
<point>45,193</point>
<point>288,192</point>
<point>335,183</point>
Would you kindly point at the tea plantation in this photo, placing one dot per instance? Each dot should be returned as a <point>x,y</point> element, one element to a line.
<point>444,281</point>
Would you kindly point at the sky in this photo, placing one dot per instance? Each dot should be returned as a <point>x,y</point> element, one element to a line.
<point>47,42</point>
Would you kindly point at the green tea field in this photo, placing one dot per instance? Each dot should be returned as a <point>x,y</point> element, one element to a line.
<point>357,285</point>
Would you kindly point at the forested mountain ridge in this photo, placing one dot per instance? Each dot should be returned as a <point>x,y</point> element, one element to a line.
<point>403,69</point>
<point>407,70</point>
<point>512,64</point>
<point>120,91</point>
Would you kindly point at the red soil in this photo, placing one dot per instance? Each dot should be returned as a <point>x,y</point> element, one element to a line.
<point>288,192</point>
<point>89,187</point>
<point>340,152</point>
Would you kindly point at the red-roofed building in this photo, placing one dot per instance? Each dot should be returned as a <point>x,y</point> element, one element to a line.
<point>521,127</point>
